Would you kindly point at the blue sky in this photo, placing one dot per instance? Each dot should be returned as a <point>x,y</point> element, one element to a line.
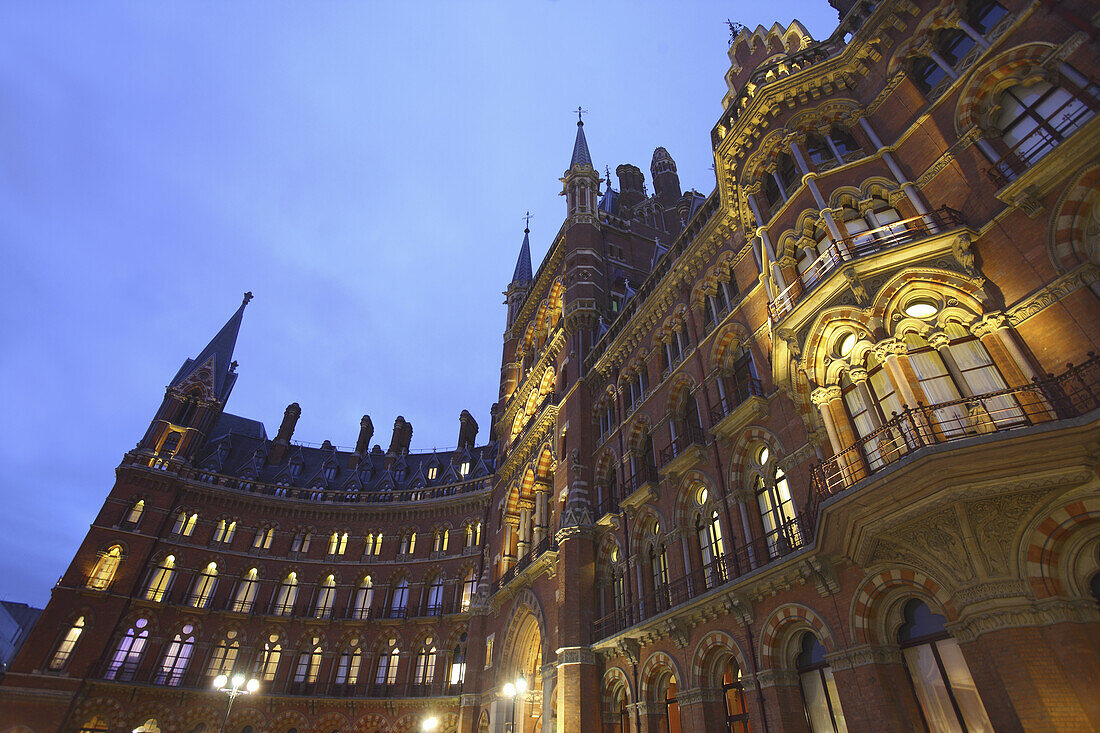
<point>362,167</point>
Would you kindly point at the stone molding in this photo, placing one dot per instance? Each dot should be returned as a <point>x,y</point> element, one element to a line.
<point>698,695</point>
<point>861,656</point>
<point>1041,613</point>
<point>576,655</point>
<point>777,678</point>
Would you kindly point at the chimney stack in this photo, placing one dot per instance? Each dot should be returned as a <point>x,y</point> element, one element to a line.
<point>286,430</point>
<point>467,430</point>
<point>402,437</point>
<point>366,432</point>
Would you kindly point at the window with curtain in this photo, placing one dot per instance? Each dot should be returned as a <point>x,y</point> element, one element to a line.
<point>65,647</point>
<point>104,571</point>
<point>347,666</point>
<point>712,549</point>
<point>178,654</point>
<point>326,595</point>
<point>246,592</point>
<point>364,597</point>
<point>286,596</point>
<point>776,505</point>
<point>127,655</point>
<point>204,586</point>
<point>269,661</point>
<point>458,662</point>
<point>224,659</point>
<point>387,667</point>
<point>941,680</point>
<point>435,598</point>
<point>937,385</point>
<point>161,579</point>
<point>185,525</point>
<point>400,601</point>
<point>819,695</point>
<point>469,587</point>
<point>136,510</point>
<point>424,671</point>
<point>309,665</point>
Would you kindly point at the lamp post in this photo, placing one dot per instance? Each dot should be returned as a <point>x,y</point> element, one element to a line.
<point>240,687</point>
<point>510,691</point>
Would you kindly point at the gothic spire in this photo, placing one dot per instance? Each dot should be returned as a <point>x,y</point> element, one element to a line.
<point>580,147</point>
<point>219,355</point>
<point>522,275</point>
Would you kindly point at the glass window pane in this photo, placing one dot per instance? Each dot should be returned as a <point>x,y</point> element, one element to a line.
<point>817,709</point>
<point>931,690</point>
<point>962,685</point>
<point>834,699</point>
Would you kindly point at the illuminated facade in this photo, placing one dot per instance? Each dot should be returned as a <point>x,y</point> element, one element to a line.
<point>803,454</point>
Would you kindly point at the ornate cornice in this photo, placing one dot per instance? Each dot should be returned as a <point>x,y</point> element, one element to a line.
<point>1029,614</point>
<point>1080,277</point>
<point>861,656</point>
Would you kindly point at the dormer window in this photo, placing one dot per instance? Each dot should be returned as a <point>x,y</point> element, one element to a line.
<point>433,471</point>
<point>464,469</point>
<point>330,472</point>
<point>295,469</point>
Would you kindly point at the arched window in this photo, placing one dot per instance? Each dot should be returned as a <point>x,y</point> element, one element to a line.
<point>224,659</point>
<point>387,667</point>
<point>185,525</point>
<point>337,543</point>
<point>95,725</point>
<point>776,505</point>
<point>224,531</point>
<point>737,382</point>
<point>174,664</point>
<point>435,598</point>
<point>818,688</point>
<point>658,565</point>
<point>204,586</point>
<point>125,661</point>
<point>104,571</point>
<point>399,602</point>
<point>301,540</point>
<point>938,672</point>
<point>712,548</point>
<point>458,662</point>
<point>309,664</point>
<point>1035,118</point>
<point>672,722</point>
<point>347,666</point>
<point>364,597</point>
<point>424,671</point>
<point>831,149</point>
<point>469,587</point>
<point>286,595</point>
<point>737,715</point>
<point>326,594</point>
<point>136,510</point>
<point>262,540</point>
<point>161,579</point>
<point>246,592</point>
<point>269,661</point>
<point>66,645</point>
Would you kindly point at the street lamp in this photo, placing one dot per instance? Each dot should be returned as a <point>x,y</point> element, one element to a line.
<point>430,723</point>
<point>240,687</point>
<point>510,691</point>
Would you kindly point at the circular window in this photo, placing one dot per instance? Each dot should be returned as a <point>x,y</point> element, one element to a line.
<point>701,495</point>
<point>921,309</point>
<point>763,455</point>
<point>846,344</point>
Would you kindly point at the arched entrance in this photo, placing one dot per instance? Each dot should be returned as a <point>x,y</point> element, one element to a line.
<point>521,674</point>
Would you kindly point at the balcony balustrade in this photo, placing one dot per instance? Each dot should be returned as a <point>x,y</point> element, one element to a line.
<point>548,543</point>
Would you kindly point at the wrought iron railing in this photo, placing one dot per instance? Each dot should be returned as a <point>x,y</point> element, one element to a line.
<point>1032,147</point>
<point>691,435</point>
<point>861,244</point>
<point>547,544</point>
<point>740,390</point>
<point>1071,394</point>
<point>645,474</point>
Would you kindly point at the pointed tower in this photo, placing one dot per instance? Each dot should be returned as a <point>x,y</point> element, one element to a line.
<point>514,296</point>
<point>521,278</point>
<point>196,397</point>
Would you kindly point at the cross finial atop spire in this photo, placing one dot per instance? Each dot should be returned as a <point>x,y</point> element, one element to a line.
<point>527,223</point>
<point>579,113</point>
<point>247,297</point>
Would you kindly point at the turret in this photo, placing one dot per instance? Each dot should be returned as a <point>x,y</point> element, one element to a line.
<point>666,183</point>
<point>286,431</point>
<point>196,396</point>
<point>521,278</point>
<point>581,182</point>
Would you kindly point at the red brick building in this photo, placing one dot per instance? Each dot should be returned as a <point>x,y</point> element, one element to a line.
<point>815,452</point>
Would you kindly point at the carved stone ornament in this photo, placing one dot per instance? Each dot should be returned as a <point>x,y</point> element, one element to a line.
<point>576,655</point>
<point>995,521</point>
<point>861,656</point>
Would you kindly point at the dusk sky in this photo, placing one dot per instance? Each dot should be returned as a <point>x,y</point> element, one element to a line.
<point>362,168</point>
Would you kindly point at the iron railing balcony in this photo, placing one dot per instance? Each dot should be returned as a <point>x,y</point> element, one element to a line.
<point>547,544</point>
<point>859,245</point>
<point>1047,135</point>
<point>742,389</point>
<point>692,435</point>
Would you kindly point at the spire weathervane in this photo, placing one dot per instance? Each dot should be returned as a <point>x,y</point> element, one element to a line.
<point>247,297</point>
<point>527,223</point>
<point>579,113</point>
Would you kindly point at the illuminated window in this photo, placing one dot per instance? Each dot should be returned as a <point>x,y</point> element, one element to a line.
<point>325,596</point>
<point>433,471</point>
<point>347,666</point>
<point>286,595</point>
<point>65,647</point>
<point>246,592</point>
<point>469,587</point>
<point>262,540</point>
<point>124,663</point>
<point>204,586</point>
<point>424,671</point>
<point>161,579</point>
<point>489,650</point>
<point>185,525</point>
<point>435,597</point>
<point>301,541</point>
<point>387,667</point>
<point>818,688</point>
<point>737,715</point>
<point>374,544</point>
<point>269,662</point>
<point>364,597</point>
<point>464,469</point>
<point>135,512</point>
<point>337,543</point>
<point>458,662</point>
<point>400,600</point>
<point>309,665</point>
<point>224,658</point>
<point>224,531</point>
<point>95,725</point>
<point>176,657</point>
<point>777,510</point>
<point>712,549</point>
<point>104,571</point>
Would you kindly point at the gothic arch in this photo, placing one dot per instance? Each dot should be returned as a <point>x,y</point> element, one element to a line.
<point>329,722</point>
<point>977,98</point>
<point>687,508</point>
<point>1053,541</point>
<point>245,715</point>
<point>711,650</point>
<point>526,606</point>
<point>728,339</point>
<point>655,670</point>
<point>778,632</point>
<point>879,594</point>
<point>1075,225</point>
<point>741,456</point>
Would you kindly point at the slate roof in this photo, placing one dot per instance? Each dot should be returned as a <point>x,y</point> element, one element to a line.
<point>580,149</point>
<point>220,349</point>
<point>522,275</point>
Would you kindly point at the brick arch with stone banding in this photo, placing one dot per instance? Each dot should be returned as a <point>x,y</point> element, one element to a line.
<point>289,719</point>
<point>1068,227</point>
<point>784,620</point>
<point>1046,542</point>
<point>329,722</point>
<point>739,456</point>
<point>715,640</point>
<point>611,677</point>
<point>732,335</point>
<point>867,602</point>
<point>986,80</point>
<point>653,663</point>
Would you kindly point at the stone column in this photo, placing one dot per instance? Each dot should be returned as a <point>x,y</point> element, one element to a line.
<point>652,716</point>
<point>524,543</point>
<point>541,514</point>
<point>579,700</point>
<point>842,433</point>
<point>702,709</point>
<point>783,701</point>
<point>911,191</point>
